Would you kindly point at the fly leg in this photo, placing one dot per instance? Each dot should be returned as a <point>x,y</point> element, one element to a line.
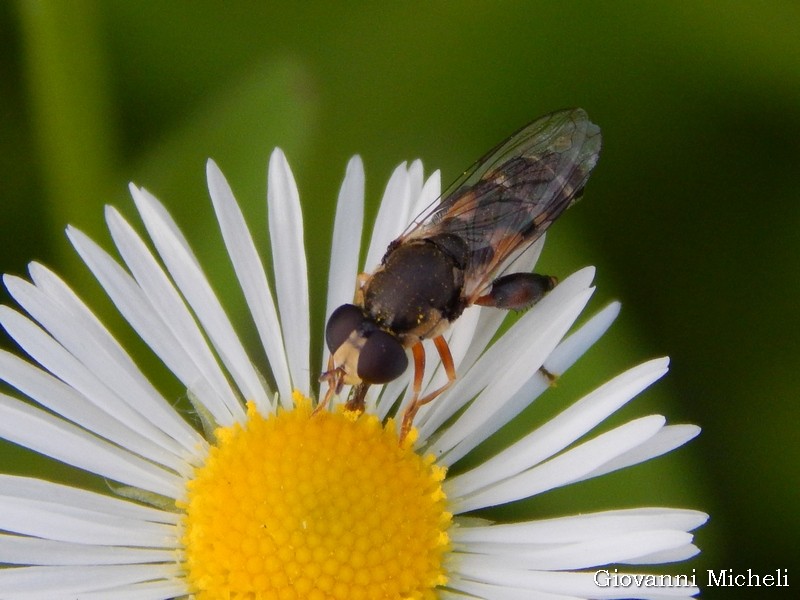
<point>519,291</point>
<point>335,383</point>
<point>419,369</point>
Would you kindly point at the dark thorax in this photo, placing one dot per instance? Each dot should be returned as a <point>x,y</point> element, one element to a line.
<point>417,291</point>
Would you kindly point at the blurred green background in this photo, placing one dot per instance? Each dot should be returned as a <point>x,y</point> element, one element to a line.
<point>691,217</point>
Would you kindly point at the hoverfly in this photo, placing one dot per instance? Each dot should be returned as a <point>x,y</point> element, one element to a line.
<point>456,254</point>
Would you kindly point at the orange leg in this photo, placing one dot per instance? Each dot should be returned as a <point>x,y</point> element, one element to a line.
<point>334,380</point>
<point>419,369</point>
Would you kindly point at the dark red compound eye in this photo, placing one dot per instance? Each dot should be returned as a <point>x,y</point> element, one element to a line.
<point>343,321</point>
<point>382,358</point>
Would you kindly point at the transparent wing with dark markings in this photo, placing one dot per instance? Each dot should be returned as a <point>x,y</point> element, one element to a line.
<point>513,194</point>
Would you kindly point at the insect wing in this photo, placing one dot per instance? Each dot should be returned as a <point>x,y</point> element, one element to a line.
<point>510,196</point>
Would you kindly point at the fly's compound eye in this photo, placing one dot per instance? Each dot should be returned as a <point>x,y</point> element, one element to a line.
<point>342,322</point>
<point>382,358</point>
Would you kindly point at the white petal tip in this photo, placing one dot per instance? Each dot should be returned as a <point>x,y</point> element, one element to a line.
<point>691,431</point>
<point>215,178</point>
<point>36,270</point>
<point>277,155</point>
<point>588,272</point>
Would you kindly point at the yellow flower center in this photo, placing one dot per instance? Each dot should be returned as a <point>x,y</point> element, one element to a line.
<point>314,507</point>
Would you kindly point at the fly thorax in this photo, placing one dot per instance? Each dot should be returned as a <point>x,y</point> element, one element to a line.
<point>418,285</point>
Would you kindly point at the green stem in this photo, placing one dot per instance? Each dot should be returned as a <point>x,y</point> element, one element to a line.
<point>70,107</point>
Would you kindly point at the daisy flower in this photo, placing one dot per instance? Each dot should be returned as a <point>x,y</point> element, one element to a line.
<point>250,495</point>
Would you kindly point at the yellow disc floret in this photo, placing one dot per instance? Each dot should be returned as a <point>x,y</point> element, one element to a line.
<point>308,506</point>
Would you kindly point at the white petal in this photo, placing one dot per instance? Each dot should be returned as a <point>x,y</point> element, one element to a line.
<point>135,306</point>
<point>27,583</point>
<point>289,258</point>
<point>581,585</point>
<point>478,335</point>
<point>517,369</point>
<point>43,433</point>
<point>560,359</point>
<point>575,345</point>
<point>561,470</point>
<point>64,400</point>
<point>678,554</point>
<point>456,595</point>
<point>346,243</point>
<point>47,520</point>
<point>390,393</point>
<point>489,591</point>
<point>582,555</point>
<point>578,528</point>
<point>68,496</point>
<point>19,550</point>
<point>430,193</point>
<point>391,219</point>
<point>188,276</point>
<point>546,320</point>
<point>415,181</point>
<point>95,362</point>
<point>223,403</point>
<point>165,589</point>
<point>564,429</point>
<point>252,276</point>
<point>467,338</point>
<point>666,440</point>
